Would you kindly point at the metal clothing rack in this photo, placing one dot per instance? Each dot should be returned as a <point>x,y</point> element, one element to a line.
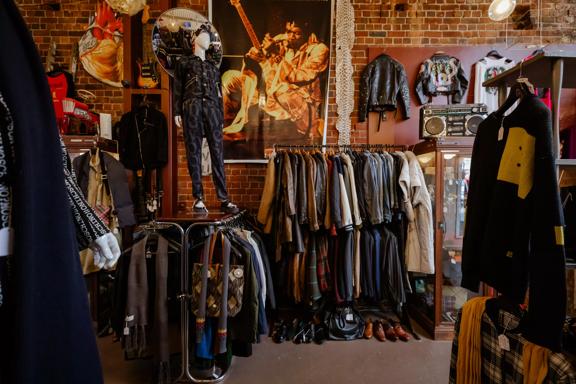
<point>159,225</point>
<point>185,296</point>
<point>340,147</point>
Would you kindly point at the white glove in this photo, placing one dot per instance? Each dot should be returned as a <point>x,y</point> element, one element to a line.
<point>106,251</point>
<point>178,121</point>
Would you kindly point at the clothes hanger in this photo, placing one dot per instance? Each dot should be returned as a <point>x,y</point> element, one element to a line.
<point>495,54</point>
<point>521,88</point>
<point>568,197</point>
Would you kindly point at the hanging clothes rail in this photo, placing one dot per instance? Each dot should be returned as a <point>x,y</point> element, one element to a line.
<point>160,347</point>
<point>366,209</point>
<point>185,375</point>
<point>341,147</point>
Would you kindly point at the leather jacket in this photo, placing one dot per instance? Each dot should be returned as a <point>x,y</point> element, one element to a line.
<point>441,74</point>
<point>383,84</point>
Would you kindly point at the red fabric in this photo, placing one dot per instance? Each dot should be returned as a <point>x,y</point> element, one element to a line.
<point>58,86</point>
<point>58,90</point>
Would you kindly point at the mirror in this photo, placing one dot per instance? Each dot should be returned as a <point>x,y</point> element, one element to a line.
<point>173,34</point>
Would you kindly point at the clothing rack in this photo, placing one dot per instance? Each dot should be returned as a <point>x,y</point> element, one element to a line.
<point>185,296</point>
<point>340,147</point>
<point>154,226</point>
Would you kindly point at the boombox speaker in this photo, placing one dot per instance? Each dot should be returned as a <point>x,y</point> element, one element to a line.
<point>451,120</point>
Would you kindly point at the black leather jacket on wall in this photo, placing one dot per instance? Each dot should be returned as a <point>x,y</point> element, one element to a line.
<point>382,85</point>
<point>441,74</point>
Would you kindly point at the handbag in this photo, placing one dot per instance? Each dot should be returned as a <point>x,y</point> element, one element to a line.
<point>344,323</point>
<point>215,281</point>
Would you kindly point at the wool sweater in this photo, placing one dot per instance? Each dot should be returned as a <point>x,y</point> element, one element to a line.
<point>514,223</point>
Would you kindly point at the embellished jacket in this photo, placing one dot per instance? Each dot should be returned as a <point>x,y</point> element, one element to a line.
<point>441,74</point>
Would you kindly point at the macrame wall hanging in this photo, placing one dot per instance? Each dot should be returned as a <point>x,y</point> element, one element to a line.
<point>344,69</point>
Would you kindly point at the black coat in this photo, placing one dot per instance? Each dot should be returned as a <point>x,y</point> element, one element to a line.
<point>46,334</point>
<point>383,84</point>
<point>142,136</point>
<point>514,223</point>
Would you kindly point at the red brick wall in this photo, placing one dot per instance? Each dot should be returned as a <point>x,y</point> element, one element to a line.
<point>426,22</point>
<point>65,28</point>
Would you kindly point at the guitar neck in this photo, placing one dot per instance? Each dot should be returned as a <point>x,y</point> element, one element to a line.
<point>248,26</point>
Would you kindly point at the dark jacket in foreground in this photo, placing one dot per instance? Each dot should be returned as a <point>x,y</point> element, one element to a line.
<point>46,333</point>
<point>382,86</point>
<point>514,224</point>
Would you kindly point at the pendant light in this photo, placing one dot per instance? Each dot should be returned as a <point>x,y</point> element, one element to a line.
<point>501,9</point>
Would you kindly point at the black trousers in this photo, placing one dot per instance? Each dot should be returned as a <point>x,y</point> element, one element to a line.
<point>204,118</point>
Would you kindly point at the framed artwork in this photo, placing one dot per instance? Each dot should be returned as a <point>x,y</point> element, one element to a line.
<point>275,70</point>
<point>101,48</point>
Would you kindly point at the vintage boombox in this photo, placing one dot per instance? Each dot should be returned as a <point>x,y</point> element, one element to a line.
<point>451,120</point>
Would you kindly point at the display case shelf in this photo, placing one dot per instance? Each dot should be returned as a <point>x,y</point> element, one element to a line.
<point>437,297</point>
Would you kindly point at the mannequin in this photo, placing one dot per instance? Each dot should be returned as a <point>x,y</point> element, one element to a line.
<point>198,110</point>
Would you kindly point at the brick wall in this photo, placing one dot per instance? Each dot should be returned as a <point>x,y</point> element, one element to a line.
<point>65,28</point>
<point>425,22</point>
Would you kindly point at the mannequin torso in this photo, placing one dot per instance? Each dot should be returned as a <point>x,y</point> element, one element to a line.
<point>201,44</point>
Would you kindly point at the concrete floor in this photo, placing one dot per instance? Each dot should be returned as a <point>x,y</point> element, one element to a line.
<point>356,362</point>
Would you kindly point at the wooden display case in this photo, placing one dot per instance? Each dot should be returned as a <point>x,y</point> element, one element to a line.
<point>437,298</point>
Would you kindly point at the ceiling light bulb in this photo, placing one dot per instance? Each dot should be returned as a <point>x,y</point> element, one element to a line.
<point>501,9</point>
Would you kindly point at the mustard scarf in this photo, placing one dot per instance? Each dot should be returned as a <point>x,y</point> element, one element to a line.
<point>469,364</point>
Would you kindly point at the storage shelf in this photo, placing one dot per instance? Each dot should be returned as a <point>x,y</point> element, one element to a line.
<point>144,91</point>
<point>539,69</point>
<point>566,162</point>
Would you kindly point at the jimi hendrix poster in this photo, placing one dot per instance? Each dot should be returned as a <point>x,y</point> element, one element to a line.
<point>274,73</point>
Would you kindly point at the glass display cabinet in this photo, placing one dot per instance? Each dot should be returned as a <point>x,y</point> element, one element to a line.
<point>437,298</point>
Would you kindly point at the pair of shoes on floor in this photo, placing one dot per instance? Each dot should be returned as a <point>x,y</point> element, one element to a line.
<point>280,332</point>
<point>299,331</point>
<point>225,206</point>
<point>310,332</point>
<point>385,329</point>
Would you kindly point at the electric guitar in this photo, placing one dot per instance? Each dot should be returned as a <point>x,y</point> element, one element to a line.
<point>147,75</point>
<point>247,25</point>
<point>50,59</point>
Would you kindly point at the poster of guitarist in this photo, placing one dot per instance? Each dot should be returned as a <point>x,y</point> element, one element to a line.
<point>275,86</point>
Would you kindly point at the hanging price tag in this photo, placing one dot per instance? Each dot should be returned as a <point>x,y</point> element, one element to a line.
<point>503,342</point>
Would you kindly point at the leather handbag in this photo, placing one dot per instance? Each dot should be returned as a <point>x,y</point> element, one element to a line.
<point>215,282</point>
<point>344,323</point>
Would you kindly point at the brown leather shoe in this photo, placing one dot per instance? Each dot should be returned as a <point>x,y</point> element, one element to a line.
<point>400,332</point>
<point>379,331</point>
<point>368,329</point>
<point>389,331</point>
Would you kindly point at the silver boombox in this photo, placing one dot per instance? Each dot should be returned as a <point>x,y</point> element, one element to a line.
<point>451,120</point>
